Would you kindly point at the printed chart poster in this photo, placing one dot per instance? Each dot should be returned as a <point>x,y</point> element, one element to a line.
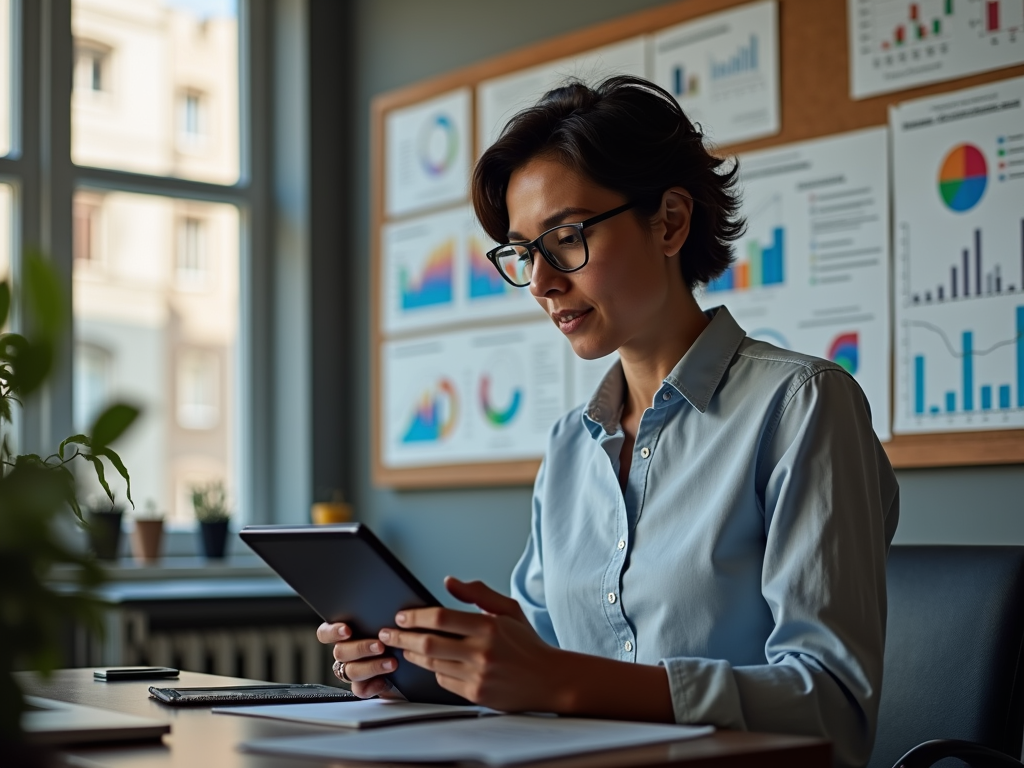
<point>812,271</point>
<point>473,396</point>
<point>959,247</point>
<point>427,153</point>
<point>435,272</point>
<point>899,44</point>
<point>723,70</point>
<point>499,99</point>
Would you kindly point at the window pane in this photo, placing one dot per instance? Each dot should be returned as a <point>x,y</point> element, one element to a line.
<point>156,87</point>
<point>156,284</point>
<point>6,61</point>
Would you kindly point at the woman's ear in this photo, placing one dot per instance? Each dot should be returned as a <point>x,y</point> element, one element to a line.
<point>674,218</point>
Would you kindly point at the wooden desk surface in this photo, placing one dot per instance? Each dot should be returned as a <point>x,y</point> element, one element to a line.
<point>199,738</point>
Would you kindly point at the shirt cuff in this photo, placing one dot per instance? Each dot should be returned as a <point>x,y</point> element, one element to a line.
<point>704,691</point>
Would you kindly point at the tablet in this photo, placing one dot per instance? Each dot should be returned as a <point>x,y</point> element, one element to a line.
<point>346,574</point>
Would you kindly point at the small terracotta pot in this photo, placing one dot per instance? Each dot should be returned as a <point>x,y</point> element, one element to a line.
<point>146,538</point>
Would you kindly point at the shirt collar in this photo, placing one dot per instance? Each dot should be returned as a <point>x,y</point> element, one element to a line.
<point>696,376</point>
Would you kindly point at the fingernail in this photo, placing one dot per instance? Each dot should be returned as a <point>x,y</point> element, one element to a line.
<point>388,665</point>
<point>342,632</point>
<point>384,635</point>
<point>400,618</point>
<point>375,647</point>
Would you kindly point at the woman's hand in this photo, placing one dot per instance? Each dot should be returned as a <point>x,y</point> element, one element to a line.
<point>495,659</point>
<point>365,664</point>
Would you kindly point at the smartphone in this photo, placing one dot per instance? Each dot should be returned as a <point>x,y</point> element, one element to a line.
<point>134,673</point>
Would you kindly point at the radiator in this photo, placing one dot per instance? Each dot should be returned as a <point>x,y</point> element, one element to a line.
<point>285,653</point>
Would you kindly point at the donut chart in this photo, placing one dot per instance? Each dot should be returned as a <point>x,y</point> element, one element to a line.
<point>963,178</point>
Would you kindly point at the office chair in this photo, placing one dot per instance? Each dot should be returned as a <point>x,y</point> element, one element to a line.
<point>953,683</point>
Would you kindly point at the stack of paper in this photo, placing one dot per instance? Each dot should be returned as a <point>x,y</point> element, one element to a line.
<point>496,741</point>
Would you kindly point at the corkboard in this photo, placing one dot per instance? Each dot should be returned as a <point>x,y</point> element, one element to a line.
<point>815,87</point>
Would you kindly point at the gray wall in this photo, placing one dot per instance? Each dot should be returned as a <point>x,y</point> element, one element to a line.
<point>479,534</point>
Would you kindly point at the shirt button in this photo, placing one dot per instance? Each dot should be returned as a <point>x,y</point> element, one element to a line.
<point>611,597</point>
<point>622,544</point>
<point>645,451</point>
<point>628,646</point>
<point>667,396</point>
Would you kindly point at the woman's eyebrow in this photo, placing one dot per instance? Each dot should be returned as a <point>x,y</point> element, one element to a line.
<point>558,217</point>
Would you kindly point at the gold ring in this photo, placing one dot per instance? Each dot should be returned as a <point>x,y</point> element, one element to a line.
<point>339,672</point>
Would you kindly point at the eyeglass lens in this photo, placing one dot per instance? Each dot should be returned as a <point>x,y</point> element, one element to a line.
<point>564,248</point>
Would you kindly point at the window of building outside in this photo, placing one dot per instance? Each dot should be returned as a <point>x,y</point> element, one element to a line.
<point>193,267</point>
<point>158,324</point>
<point>193,120</point>
<point>6,56</point>
<point>92,68</point>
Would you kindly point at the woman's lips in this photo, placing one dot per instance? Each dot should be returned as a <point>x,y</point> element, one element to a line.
<point>569,321</point>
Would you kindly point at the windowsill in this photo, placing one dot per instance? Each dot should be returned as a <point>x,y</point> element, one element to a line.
<point>177,568</point>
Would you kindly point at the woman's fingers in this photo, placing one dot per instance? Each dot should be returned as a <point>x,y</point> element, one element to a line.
<point>367,669</point>
<point>426,643</point>
<point>332,633</point>
<point>357,649</point>
<point>483,597</point>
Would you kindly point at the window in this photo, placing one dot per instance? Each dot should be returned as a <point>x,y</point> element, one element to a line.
<point>92,67</point>
<point>192,120</point>
<point>192,254</point>
<point>198,390</point>
<point>157,245</point>
<point>86,244</point>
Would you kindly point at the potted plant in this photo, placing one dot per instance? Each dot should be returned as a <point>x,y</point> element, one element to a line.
<point>37,495</point>
<point>211,508</point>
<point>147,535</point>
<point>104,517</point>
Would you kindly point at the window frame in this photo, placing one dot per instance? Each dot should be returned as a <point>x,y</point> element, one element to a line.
<point>44,180</point>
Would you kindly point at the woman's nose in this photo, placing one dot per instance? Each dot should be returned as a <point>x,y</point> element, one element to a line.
<point>545,280</point>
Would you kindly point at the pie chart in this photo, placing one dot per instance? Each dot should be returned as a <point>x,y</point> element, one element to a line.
<point>963,177</point>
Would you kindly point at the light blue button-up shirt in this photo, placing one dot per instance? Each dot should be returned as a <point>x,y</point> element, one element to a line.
<point>746,552</point>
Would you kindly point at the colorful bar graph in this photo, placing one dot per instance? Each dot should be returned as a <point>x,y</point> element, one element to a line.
<point>919,384</point>
<point>765,265</point>
<point>950,402</point>
<point>986,398</point>
<point>968,280</point>
<point>1004,395</point>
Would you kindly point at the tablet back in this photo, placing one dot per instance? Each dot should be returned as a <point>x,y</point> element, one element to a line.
<point>346,574</point>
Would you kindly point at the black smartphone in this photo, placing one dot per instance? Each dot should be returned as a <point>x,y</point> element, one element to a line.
<point>134,673</point>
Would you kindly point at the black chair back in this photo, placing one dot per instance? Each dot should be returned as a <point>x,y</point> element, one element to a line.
<point>953,649</point>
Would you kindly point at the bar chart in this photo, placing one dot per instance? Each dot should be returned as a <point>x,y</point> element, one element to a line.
<point>966,377</point>
<point>764,265</point>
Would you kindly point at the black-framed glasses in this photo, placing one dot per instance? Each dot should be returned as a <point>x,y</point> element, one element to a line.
<point>564,247</point>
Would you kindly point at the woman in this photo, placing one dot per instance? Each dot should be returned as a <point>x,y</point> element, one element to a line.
<point>709,532</point>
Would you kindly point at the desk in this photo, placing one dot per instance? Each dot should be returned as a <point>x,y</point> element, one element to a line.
<point>199,738</point>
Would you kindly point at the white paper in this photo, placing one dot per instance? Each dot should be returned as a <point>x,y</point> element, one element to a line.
<point>435,272</point>
<point>472,396</point>
<point>505,740</point>
<point>959,252</point>
<point>501,98</point>
<point>355,714</point>
<point>723,70</point>
<point>899,44</point>
<point>427,153</point>
<point>812,272</point>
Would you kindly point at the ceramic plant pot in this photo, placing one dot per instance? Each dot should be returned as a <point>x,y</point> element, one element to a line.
<point>146,539</point>
<point>105,534</point>
<point>213,539</point>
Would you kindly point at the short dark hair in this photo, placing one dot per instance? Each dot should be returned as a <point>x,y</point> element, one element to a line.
<point>628,135</point>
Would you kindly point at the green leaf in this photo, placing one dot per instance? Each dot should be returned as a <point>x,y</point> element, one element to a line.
<point>111,424</point>
<point>100,475</point>
<point>69,492</point>
<point>5,302</point>
<point>121,470</point>
<point>76,439</point>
